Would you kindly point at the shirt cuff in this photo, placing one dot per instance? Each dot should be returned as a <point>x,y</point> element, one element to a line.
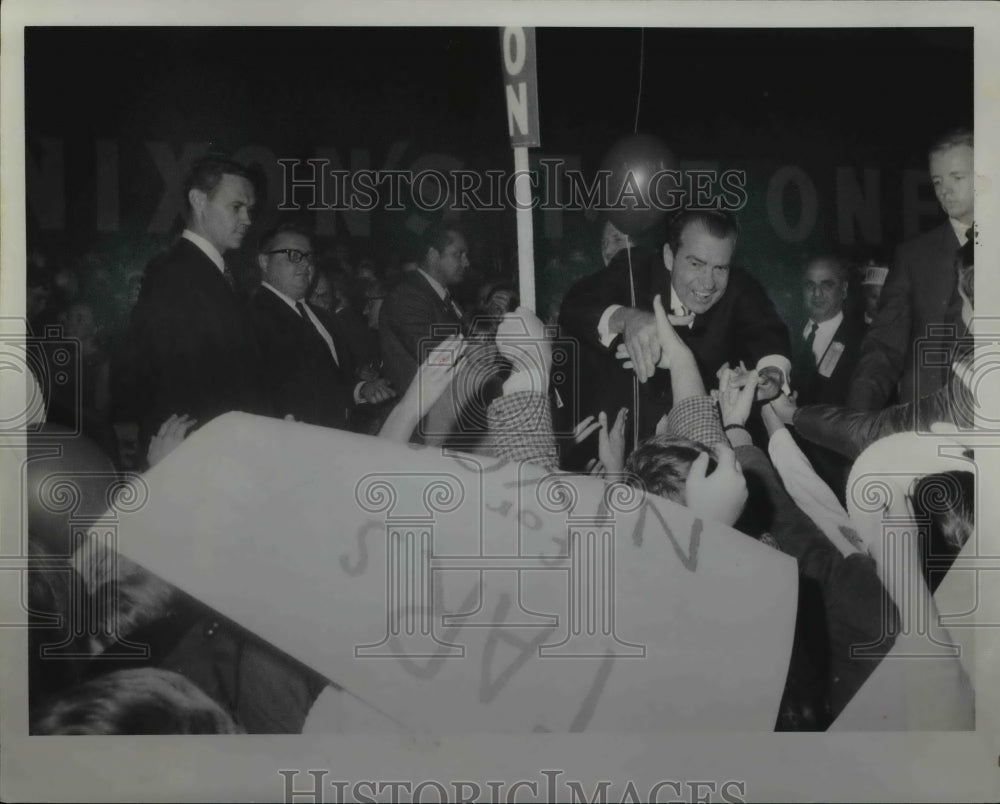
<point>604,333</point>
<point>778,362</point>
<point>358,400</point>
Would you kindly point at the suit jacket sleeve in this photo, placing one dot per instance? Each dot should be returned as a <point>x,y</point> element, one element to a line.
<point>586,301</point>
<point>758,329</point>
<point>853,597</point>
<point>887,343</point>
<point>407,318</point>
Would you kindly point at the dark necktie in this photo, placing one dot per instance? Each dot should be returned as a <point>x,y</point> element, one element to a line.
<point>810,339</point>
<point>450,302</point>
<point>227,274</point>
<point>970,234</point>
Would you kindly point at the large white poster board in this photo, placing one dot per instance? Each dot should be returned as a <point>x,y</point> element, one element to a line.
<point>460,594</point>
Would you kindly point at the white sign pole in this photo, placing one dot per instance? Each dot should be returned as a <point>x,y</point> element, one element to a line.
<point>525,229</point>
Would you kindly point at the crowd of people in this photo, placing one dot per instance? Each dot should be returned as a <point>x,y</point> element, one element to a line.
<point>680,378</point>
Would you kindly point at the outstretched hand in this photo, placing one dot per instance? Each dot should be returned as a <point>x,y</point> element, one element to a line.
<point>437,371</point>
<point>171,433</point>
<point>720,496</point>
<point>376,391</point>
<point>522,340</point>
<point>735,402</point>
<point>784,407</point>
<point>611,443</point>
<point>666,349</point>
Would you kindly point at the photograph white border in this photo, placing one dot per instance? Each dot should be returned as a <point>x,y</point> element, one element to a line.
<point>775,767</point>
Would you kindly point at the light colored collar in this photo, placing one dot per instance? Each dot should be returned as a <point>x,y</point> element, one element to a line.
<point>286,299</point>
<point>440,289</point>
<point>830,325</point>
<point>210,251</point>
<point>677,305</point>
<point>960,230</point>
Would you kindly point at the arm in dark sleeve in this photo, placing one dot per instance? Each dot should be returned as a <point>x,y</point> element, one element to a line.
<point>859,614</point>
<point>759,330</point>
<point>586,301</point>
<point>410,318</point>
<point>850,432</point>
<point>887,344</point>
<point>855,603</point>
<point>406,320</point>
<point>790,527</point>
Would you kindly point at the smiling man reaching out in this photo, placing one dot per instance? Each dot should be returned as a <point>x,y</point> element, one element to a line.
<point>719,310</point>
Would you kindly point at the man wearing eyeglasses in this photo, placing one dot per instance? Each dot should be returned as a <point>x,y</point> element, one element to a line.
<point>192,349</point>
<point>306,358</point>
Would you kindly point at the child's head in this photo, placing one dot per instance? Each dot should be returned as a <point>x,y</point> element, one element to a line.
<point>661,463</point>
<point>144,700</point>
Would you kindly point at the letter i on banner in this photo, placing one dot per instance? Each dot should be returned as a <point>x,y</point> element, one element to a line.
<point>520,81</point>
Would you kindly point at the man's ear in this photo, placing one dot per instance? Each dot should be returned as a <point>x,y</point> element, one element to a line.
<point>262,262</point>
<point>668,257</point>
<point>197,198</point>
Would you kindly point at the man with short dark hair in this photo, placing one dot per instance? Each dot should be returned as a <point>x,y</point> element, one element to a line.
<point>192,348</point>
<point>719,310</point>
<point>920,292</point>
<point>827,347</point>
<point>422,302</point>
<point>306,358</point>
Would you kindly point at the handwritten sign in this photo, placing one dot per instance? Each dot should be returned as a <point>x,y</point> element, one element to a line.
<point>459,593</point>
<point>520,81</point>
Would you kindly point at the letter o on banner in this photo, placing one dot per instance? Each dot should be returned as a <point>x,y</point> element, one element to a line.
<point>784,176</point>
<point>514,57</point>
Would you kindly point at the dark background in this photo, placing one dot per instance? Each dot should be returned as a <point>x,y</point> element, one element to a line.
<point>748,99</point>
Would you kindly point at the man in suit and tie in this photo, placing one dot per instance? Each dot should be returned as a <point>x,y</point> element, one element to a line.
<point>192,348</point>
<point>827,348</point>
<point>420,309</point>
<point>719,310</point>
<point>921,291</point>
<point>305,356</point>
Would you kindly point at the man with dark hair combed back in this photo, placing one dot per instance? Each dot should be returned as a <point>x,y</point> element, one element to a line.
<point>421,301</point>
<point>719,310</point>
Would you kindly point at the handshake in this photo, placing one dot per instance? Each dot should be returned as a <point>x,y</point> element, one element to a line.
<point>651,342</point>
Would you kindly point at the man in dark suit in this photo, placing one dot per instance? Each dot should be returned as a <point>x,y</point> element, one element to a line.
<point>420,308</point>
<point>719,310</point>
<point>192,348</point>
<point>826,350</point>
<point>921,291</point>
<point>824,354</point>
<point>305,356</point>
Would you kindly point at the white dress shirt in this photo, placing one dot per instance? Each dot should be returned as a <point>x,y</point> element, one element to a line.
<point>824,335</point>
<point>960,230</point>
<point>210,251</point>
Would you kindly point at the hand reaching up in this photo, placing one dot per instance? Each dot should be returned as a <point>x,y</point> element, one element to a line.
<point>611,443</point>
<point>720,496</point>
<point>171,433</point>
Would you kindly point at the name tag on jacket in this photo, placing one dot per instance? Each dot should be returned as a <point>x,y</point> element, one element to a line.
<point>830,359</point>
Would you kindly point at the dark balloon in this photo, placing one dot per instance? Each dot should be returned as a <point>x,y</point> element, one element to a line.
<point>633,161</point>
<point>68,482</point>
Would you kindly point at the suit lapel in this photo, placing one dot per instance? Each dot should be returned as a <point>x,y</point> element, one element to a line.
<point>445,311</point>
